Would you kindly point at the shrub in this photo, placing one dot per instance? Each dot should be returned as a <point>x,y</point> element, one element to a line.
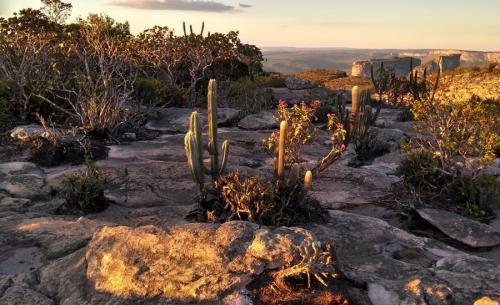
<point>84,191</point>
<point>84,72</point>
<point>149,91</point>
<point>420,169</point>
<point>478,196</point>
<point>406,115</point>
<point>280,201</point>
<point>301,130</point>
<point>246,93</point>
<point>459,131</point>
<point>456,140</point>
<point>321,76</point>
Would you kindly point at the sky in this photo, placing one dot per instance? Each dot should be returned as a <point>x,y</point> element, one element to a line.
<point>374,24</point>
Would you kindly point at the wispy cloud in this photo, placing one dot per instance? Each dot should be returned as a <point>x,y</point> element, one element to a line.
<point>179,5</point>
<point>245,5</point>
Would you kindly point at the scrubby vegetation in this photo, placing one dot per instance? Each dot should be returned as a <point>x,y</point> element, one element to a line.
<point>283,200</point>
<point>321,77</point>
<point>458,137</point>
<point>96,75</point>
<point>83,192</point>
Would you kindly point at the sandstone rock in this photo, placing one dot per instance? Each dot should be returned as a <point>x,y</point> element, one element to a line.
<point>24,186</point>
<point>486,301</point>
<point>20,260</point>
<point>390,137</point>
<point>400,268</point>
<point>401,65</point>
<point>176,120</point>
<point>24,296</point>
<point>464,230</point>
<point>295,83</point>
<point>18,168</point>
<point>192,262</point>
<point>14,204</point>
<point>261,120</point>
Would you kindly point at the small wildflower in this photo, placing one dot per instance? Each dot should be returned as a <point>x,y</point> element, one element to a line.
<point>282,104</point>
<point>316,104</point>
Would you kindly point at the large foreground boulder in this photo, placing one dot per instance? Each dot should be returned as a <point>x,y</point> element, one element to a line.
<point>205,263</point>
<point>212,264</point>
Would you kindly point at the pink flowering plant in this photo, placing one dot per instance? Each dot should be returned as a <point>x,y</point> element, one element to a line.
<point>301,131</point>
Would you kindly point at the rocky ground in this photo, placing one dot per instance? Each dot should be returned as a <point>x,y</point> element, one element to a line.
<point>141,250</point>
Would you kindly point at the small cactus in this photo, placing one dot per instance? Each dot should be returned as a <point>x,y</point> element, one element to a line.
<point>307,182</point>
<point>355,107</point>
<point>281,149</point>
<point>194,145</point>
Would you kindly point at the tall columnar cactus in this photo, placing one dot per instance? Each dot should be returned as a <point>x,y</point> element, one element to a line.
<point>355,107</point>
<point>194,144</point>
<point>280,166</point>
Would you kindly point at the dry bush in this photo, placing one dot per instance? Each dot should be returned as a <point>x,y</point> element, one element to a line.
<point>456,140</point>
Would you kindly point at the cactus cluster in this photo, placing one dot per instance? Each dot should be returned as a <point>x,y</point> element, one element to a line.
<point>420,89</point>
<point>191,29</point>
<point>194,145</point>
<point>362,115</point>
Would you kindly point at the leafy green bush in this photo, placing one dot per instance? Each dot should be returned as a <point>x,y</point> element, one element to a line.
<point>478,196</point>
<point>149,91</point>
<point>84,191</point>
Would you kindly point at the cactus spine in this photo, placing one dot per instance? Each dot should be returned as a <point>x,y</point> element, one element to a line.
<point>281,149</point>
<point>194,144</point>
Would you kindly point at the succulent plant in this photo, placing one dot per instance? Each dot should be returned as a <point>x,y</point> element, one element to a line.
<point>420,89</point>
<point>280,165</point>
<point>355,105</point>
<point>194,145</point>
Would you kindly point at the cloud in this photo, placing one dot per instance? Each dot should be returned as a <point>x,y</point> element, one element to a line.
<point>179,5</point>
<point>245,5</point>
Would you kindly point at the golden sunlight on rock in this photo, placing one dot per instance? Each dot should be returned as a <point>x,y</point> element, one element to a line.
<point>486,301</point>
<point>193,261</point>
<point>119,274</point>
<point>414,287</point>
<point>29,226</point>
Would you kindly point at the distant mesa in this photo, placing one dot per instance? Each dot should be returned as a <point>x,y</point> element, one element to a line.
<point>401,65</point>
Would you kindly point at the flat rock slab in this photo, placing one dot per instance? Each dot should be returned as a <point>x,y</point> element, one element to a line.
<point>464,230</point>
<point>258,121</point>
<point>400,268</point>
<point>176,120</point>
